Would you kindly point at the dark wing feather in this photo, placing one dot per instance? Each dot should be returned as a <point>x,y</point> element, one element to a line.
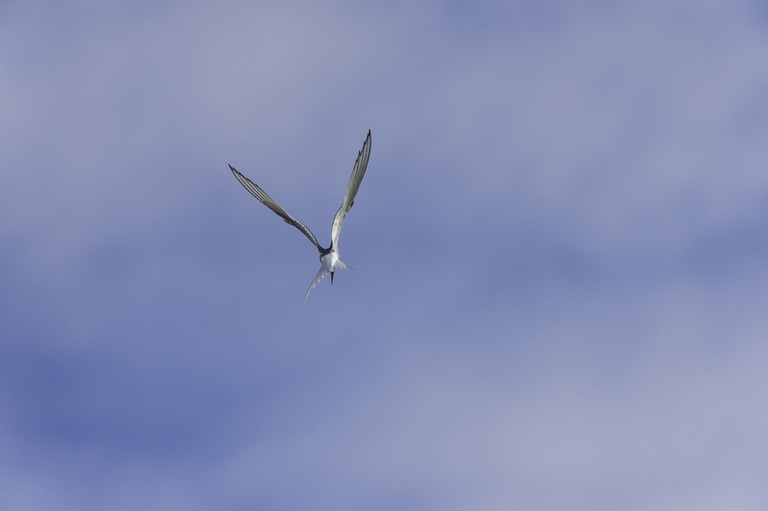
<point>358,172</point>
<point>274,206</point>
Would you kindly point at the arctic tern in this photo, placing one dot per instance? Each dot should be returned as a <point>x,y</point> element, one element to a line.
<point>329,257</point>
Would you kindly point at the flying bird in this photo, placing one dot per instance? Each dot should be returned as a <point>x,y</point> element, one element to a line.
<point>329,257</point>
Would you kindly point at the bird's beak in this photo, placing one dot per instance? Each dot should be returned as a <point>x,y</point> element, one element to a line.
<point>331,278</point>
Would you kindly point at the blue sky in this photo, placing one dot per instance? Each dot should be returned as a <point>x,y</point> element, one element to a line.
<point>560,245</point>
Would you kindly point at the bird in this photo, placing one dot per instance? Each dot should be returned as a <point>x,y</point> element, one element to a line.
<point>329,257</point>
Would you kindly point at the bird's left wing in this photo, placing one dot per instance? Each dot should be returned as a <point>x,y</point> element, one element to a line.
<point>358,171</point>
<point>273,205</point>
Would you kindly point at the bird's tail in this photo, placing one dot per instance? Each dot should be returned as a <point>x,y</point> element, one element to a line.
<point>320,274</point>
<point>338,265</point>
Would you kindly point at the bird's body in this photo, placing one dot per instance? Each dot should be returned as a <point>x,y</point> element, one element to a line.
<point>329,257</point>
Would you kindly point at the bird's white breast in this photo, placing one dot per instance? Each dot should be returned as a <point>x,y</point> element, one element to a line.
<point>329,260</point>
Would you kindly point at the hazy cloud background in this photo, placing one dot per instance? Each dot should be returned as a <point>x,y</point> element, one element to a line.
<point>560,246</point>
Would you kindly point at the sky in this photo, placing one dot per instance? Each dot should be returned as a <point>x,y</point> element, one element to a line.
<point>560,248</point>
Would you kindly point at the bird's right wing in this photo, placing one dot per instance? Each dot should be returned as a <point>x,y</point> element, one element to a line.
<point>358,172</point>
<point>274,206</point>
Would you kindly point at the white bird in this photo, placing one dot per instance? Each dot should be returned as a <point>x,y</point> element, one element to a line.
<point>329,257</point>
